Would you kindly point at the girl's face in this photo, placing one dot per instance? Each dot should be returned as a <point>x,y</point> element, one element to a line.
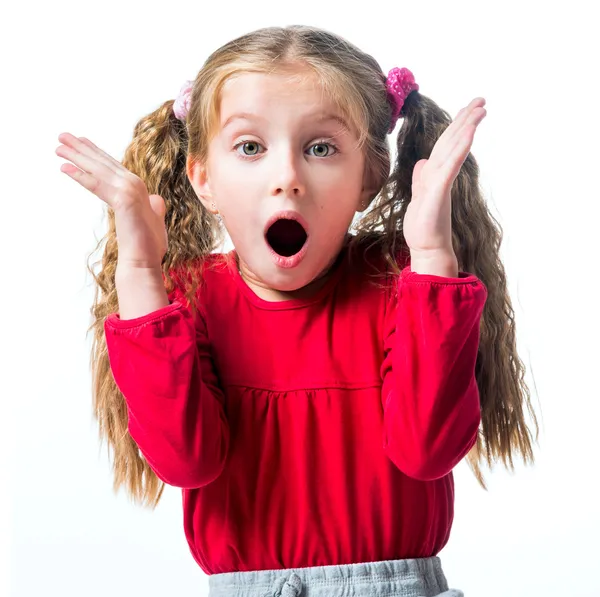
<point>280,152</point>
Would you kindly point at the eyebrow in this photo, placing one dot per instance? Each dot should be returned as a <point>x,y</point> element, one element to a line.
<point>320,118</point>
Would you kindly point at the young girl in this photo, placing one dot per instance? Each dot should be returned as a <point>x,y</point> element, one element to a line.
<point>312,390</point>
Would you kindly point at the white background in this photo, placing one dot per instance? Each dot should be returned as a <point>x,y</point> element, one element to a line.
<point>93,69</point>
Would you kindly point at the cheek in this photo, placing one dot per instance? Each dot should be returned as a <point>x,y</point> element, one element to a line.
<point>342,191</point>
<point>332,224</point>
<point>341,202</point>
<point>231,199</point>
<point>240,218</point>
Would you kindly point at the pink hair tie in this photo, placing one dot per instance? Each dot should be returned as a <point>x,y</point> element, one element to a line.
<point>399,83</point>
<point>181,105</point>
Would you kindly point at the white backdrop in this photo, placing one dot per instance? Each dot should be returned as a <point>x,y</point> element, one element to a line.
<point>93,69</point>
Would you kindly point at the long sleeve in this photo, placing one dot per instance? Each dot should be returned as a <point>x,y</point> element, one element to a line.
<point>162,364</point>
<point>430,396</point>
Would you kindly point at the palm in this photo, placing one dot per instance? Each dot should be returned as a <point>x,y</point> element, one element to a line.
<point>427,223</point>
<point>139,217</point>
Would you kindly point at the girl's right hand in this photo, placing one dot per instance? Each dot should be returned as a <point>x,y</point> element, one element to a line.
<point>139,217</point>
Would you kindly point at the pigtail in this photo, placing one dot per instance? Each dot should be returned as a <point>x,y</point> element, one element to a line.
<point>476,240</point>
<point>157,154</point>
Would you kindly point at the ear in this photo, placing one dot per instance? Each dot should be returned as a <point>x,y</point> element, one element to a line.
<point>198,177</point>
<point>368,192</point>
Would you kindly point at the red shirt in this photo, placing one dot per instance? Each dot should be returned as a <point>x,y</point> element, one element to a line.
<point>307,432</point>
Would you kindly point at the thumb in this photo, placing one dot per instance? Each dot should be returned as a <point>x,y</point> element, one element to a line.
<point>417,171</point>
<point>157,203</point>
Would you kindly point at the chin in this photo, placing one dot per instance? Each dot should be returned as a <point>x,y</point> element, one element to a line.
<point>289,280</point>
<point>289,257</point>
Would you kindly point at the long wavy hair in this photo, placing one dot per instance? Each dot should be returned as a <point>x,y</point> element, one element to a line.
<point>354,80</point>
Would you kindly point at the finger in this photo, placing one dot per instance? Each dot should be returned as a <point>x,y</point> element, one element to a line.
<point>462,146</point>
<point>477,116</point>
<point>444,148</point>
<point>87,181</point>
<point>418,167</point>
<point>468,128</point>
<point>158,205</point>
<point>463,116</point>
<point>465,112</point>
<point>91,165</point>
<point>89,151</point>
<point>89,143</point>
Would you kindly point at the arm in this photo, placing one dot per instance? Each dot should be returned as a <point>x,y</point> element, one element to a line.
<point>161,362</point>
<point>430,396</point>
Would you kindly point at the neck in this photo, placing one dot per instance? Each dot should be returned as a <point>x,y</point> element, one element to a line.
<point>273,295</point>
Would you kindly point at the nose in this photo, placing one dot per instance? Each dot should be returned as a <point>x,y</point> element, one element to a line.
<point>288,178</point>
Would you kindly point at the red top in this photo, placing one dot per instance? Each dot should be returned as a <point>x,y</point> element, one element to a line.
<point>307,432</point>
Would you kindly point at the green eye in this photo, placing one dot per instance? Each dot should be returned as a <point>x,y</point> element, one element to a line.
<point>250,143</point>
<point>320,152</point>
<point>323,145</point>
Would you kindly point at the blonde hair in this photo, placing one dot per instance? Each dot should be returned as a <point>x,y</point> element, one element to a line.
<point>354,80</point>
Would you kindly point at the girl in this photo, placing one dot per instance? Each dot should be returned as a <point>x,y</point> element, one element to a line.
<point>311,390</point>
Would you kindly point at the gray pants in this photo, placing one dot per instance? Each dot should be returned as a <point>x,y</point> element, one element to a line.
<point>422,577</point>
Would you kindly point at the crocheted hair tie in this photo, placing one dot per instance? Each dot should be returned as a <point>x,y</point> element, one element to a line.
<point>181,106</point>
<point>399,83</point>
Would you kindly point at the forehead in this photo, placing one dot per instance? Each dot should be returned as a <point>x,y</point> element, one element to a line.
<point>259,96</point>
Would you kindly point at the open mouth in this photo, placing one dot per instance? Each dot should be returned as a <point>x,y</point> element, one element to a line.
<point>286,237</point>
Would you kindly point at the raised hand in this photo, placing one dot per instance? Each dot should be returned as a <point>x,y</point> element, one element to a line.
<point>139,217</point>
<point>427,222</point>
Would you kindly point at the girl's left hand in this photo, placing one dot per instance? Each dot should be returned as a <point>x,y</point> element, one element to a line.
<point>427,222</point>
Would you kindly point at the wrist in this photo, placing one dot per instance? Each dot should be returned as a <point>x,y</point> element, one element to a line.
<point>127,272</point>
<point>140,290</point>
<point>444,264</point>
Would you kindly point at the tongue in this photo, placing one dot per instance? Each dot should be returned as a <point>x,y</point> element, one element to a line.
<point>286,237</point>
